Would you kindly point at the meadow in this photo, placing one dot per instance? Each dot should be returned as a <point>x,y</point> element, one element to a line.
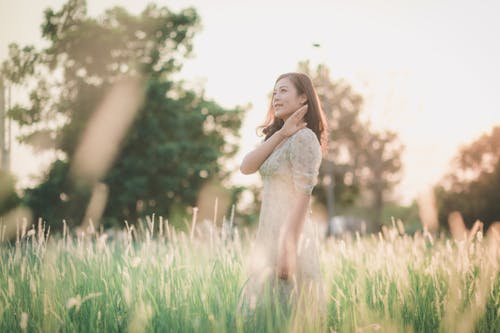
<point>150,277</point>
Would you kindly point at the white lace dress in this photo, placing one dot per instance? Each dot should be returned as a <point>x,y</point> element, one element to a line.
<point>292,166</point>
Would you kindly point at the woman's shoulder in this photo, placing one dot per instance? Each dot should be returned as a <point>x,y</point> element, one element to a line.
<point>305,135</point>
<point>305,148</point>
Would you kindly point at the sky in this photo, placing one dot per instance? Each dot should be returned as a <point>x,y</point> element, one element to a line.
<point>428,70</point>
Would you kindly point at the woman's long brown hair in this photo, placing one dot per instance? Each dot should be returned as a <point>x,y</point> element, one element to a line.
<point>315,117</point>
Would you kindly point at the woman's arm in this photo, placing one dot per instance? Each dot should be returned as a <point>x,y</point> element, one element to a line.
<point>298,216</point>
<point>288,245</point>
<point>254,159</point>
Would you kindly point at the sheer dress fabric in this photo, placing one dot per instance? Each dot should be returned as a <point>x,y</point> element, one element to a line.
<point>292,167</point>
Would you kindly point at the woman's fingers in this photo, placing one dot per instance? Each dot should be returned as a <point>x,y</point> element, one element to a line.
<point>298,115</point>
<point>300,112</point>
<point>295,122</point>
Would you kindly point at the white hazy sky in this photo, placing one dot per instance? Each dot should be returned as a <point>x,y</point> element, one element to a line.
<point>427,69</point>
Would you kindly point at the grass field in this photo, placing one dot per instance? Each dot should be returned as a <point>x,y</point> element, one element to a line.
<point>150,278</point>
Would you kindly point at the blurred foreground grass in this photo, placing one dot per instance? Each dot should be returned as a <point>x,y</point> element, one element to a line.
<point>151,278</point>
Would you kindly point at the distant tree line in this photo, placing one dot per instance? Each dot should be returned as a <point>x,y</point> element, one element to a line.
<point>472,186</point>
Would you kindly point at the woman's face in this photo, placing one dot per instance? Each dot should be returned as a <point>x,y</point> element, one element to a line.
<point>286,99</point>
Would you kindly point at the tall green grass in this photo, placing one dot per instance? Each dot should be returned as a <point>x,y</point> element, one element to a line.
<point>151,278</point>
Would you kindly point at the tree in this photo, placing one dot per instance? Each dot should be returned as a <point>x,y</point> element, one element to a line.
<point>381,167</point>
<point>471,186</point>
<point>340,171</point>
<point>178,139</point>
<point>358,160</point>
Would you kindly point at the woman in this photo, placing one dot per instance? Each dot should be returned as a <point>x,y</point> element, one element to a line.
<point>285,255</point>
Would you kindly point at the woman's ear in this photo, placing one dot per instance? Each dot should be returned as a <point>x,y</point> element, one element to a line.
<point>303,99</point>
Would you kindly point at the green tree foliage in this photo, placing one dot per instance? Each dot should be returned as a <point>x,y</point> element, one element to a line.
<point>472,185</point>
<point>8,196</point>
<point>178,139</point>
<point>360,162</point>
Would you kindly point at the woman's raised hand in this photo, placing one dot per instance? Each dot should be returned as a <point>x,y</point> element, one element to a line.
<point>295,122</point>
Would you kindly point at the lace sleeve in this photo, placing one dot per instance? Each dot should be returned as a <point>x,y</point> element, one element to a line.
<point>305,158</point>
